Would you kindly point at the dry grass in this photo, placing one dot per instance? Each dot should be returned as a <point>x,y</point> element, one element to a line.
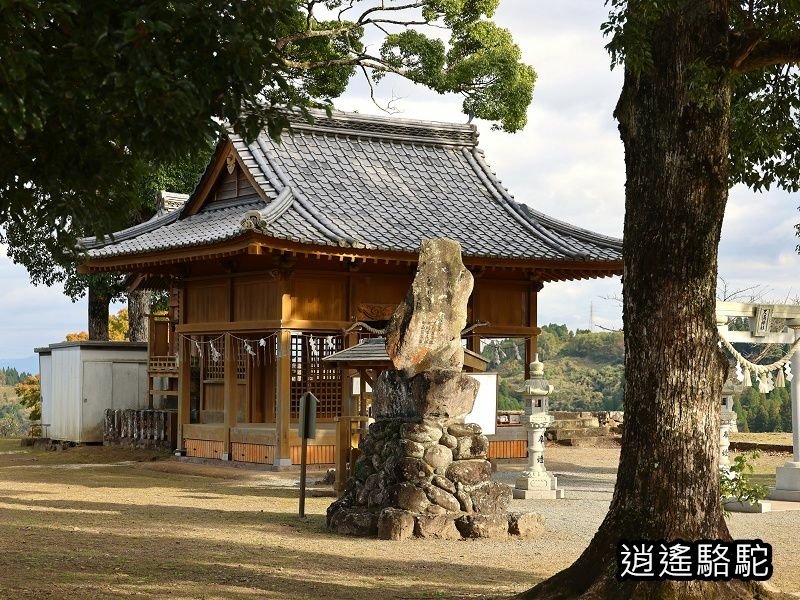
<point>96,522</point>
<point>783,439</point>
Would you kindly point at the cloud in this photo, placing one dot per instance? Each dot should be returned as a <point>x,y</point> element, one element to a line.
<point>568,162</point>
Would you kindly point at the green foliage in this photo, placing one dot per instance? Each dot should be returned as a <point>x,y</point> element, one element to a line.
<point>735,482</point>
<point>760,413</point>
<point>765,109</point>
<point>10,376</point>
<point>94,94</point>
<point>585,369</point>
<point>12,420</point>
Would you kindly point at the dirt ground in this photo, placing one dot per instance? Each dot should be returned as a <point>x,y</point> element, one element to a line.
<point>96,522</point>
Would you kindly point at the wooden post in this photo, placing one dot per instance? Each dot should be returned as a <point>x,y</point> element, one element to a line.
<point>184,389</point>
<point>282,401</point>
<point>229,392</point>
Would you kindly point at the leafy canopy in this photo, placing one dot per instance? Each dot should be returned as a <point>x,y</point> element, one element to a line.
<point>93,93</point>
<point>760,64</point>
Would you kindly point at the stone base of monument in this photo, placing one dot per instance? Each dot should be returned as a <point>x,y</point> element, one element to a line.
<point>787,483</point>
<point>734,505</point>
<point>427,479</point>
<point>540,486</point>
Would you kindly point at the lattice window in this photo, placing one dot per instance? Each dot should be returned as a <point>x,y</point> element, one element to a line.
<point>309,374</point>
<point>242,358</point>
<point>214,369</point>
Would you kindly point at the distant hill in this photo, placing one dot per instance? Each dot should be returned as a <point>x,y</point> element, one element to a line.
<point>29,364</point>
<point>585,369</point>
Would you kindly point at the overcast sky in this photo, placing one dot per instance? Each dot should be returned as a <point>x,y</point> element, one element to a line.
<point>568,162</point>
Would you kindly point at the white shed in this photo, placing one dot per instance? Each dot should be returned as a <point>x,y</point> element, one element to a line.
<point>80,380</point>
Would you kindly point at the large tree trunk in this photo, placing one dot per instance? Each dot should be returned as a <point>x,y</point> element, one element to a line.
<point>138,309</point>
<point>676,155</point>
<point>98,314</point>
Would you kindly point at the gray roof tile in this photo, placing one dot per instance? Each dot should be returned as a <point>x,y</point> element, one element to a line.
<point>373,182</point>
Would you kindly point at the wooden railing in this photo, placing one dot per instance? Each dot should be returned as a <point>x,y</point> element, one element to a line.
<point>133,428</point>
<point>162,364</point>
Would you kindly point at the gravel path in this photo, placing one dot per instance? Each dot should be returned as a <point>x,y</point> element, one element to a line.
<point>588,476</point>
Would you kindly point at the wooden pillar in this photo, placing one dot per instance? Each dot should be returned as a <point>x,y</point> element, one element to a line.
<point>531,343</point>
<point>184,388</point>
<point>229,391</point>
<point>283,374</point>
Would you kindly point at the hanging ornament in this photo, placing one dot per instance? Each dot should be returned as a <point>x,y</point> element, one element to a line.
<point>748,379</point>
<point>770,382</point>
<point>516,352</point>
<point>313,345</point>
<point>501,353</point>
<point>199,350</point>
<point>739,374</point>
<point>214,352</point>
<point>788,368</point>
<point>779,379</point>
<point>329,343</point>
<point>763,387</point>
<point>262,342</point>
<point>248,348</point>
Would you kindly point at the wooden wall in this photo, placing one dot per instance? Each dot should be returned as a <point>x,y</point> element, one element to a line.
<point>336,296</point>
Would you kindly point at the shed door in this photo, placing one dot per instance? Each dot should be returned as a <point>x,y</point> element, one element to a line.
<point>97,394</point>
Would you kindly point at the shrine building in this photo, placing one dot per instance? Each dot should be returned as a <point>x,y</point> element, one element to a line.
<point>283,246</point>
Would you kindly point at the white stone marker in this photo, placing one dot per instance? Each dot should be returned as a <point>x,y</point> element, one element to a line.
<point>536,482</point>
<point>727,419</point>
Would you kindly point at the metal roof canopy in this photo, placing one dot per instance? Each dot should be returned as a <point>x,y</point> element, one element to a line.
<point>370,353</point>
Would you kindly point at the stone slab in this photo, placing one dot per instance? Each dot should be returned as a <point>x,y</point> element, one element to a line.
<point>538,494</point>
<point>747,507</point>
<point>785,495</point>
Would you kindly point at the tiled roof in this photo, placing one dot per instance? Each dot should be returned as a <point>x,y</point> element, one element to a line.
<point>372,182</point>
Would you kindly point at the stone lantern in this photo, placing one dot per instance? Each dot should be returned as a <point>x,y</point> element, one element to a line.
<point>536,482</point>
<point>727,420</point>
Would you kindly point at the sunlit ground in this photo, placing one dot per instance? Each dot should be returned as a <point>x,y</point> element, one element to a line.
<point>96,522</point>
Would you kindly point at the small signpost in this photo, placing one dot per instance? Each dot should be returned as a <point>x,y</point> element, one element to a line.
<point>307,429</point>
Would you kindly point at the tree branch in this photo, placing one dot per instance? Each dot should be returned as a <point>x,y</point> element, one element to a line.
<point>768,53</point>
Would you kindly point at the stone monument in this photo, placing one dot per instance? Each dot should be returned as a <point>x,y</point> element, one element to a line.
<point>423,471</point>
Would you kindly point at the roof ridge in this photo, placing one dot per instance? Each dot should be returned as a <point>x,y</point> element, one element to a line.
<point>437,133</point>
<point>311,213</point>
<point>261,219</point>
<point>542,219</point>
<point>481,170</point>
<point>151,224</point>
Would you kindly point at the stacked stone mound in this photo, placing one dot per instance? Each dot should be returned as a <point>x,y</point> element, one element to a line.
<point>423,471</point>
<point>427,479</point>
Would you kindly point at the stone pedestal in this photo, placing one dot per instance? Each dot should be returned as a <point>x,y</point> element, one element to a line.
<point>787,482</point>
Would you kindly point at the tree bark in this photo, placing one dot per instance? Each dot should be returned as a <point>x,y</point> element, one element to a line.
<point>138,309</point>
<point>98,314</point>
<point>676,156</point>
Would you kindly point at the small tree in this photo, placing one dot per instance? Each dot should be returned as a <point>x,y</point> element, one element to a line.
<point>29,392</point>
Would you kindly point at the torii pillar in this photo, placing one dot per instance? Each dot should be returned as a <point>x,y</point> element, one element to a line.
<point>787,477</point>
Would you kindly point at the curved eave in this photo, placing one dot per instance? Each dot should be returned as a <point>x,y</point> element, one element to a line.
<point>253,243</point>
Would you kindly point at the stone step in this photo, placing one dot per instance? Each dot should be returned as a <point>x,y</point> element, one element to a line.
<point>582,442</point>
<point>575,423</point>
<point>564,433</point>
